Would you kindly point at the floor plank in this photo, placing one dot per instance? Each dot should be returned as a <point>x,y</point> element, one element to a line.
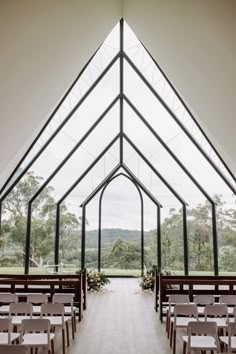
<point>120,320</point>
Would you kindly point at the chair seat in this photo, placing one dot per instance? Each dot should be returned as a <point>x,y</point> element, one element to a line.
<point>225,340</point>
<point>201,342</point>
<point>220,322</point>
<point>17,320</point>
<point>4,337</point>
<point>56,321</point>
<point>184,321</point>
<point>37,339</point>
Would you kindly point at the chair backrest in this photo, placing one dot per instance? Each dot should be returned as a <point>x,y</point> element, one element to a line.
<point>36,325</point>
<point>63,299</point>
<point>14,349</point>
<point>202,328</point>
<point>204,299</point>
<point>37,298</point>
<point>205,329</point>
<point>231,332</point>
<point>189,310</point>
<point>8,298</point>
<point>52,309</point>
<point>5,325</point>
<point>227,299</point>
<point>179,299</point>
<point>216,310</point>
<point>20,308</point>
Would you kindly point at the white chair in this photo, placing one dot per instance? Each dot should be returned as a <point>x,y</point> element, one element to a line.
<point>67,299</point>
<point>173,300</point>
<point>37,299</point>
<point>8,298</point>
<point>13,349</point>
<point>201,336</point>
<point>20,308</point>
<point>202,300</point>
<point>183,314</point>
<point>217,313</point>
<point>20,311</point>
<point>230,340</point>
<point>41,336</point>
<point>55,314</point>
<point>6,334</point>
<point>227,299</point>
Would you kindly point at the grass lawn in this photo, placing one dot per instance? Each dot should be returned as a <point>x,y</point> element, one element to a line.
<point>116,272</point>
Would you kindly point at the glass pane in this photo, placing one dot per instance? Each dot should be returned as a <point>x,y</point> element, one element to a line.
<point>172,246</point>
<point>150,233</point>
<point>200,240</point>
<point>148,68</point>
<point>78,125</point>
<point>70,238</point>
<point>91,243</point>
<point>226,222</point>
<point>100,61</point>
<point>121,225</point>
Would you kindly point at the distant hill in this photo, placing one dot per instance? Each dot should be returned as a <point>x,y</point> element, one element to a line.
<point>109,236</point>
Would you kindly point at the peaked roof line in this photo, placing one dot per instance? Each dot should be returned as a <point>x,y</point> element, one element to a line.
<point>121,54</point>
<point>132,177</point>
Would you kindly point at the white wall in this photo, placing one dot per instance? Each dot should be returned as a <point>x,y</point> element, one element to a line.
<point>43,46</point>
<point>194,42</point>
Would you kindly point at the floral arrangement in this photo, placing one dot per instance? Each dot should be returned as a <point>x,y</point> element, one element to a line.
<point>96,280</point>
<point>147,280</point>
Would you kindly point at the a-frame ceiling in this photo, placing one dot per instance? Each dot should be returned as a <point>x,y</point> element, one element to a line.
<point>44,45</point>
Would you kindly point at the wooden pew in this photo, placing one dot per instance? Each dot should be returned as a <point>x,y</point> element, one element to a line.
<point>166,285</point>
<point>23,284</point>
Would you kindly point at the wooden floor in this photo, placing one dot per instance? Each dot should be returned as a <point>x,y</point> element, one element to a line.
<point>120,320</point>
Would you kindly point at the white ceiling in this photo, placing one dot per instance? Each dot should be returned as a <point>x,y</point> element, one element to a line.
<point>44,45</point>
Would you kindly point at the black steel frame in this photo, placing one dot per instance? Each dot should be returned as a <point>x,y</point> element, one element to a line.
<point>121,97</point>
<point>140,187</point>
<point>100,220</point>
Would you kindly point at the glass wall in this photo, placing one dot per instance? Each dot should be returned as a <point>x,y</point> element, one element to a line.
<point>144,129</point>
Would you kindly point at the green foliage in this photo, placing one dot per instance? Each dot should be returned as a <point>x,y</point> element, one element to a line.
<point>121,249</point>
<point>13,235</point>
<point>123,255</point>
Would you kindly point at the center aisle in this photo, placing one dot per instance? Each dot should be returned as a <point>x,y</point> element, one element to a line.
<point>120,320</point>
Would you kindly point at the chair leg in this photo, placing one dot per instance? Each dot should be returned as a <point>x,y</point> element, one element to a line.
<point>171,333</point>
<point>74,320</point>
<point>63,341</point>
<point>174,342</point>
<point>184,347</point>
<point>73,327</point>
<point>52,346</point>
<point>67,334</point>
<point>167,320</point>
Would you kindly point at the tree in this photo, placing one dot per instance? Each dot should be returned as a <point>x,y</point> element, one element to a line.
<point>13,234</point>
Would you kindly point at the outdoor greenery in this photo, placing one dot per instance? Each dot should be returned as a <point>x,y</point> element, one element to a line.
<point>13,235</point>
<point>121,249</point>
